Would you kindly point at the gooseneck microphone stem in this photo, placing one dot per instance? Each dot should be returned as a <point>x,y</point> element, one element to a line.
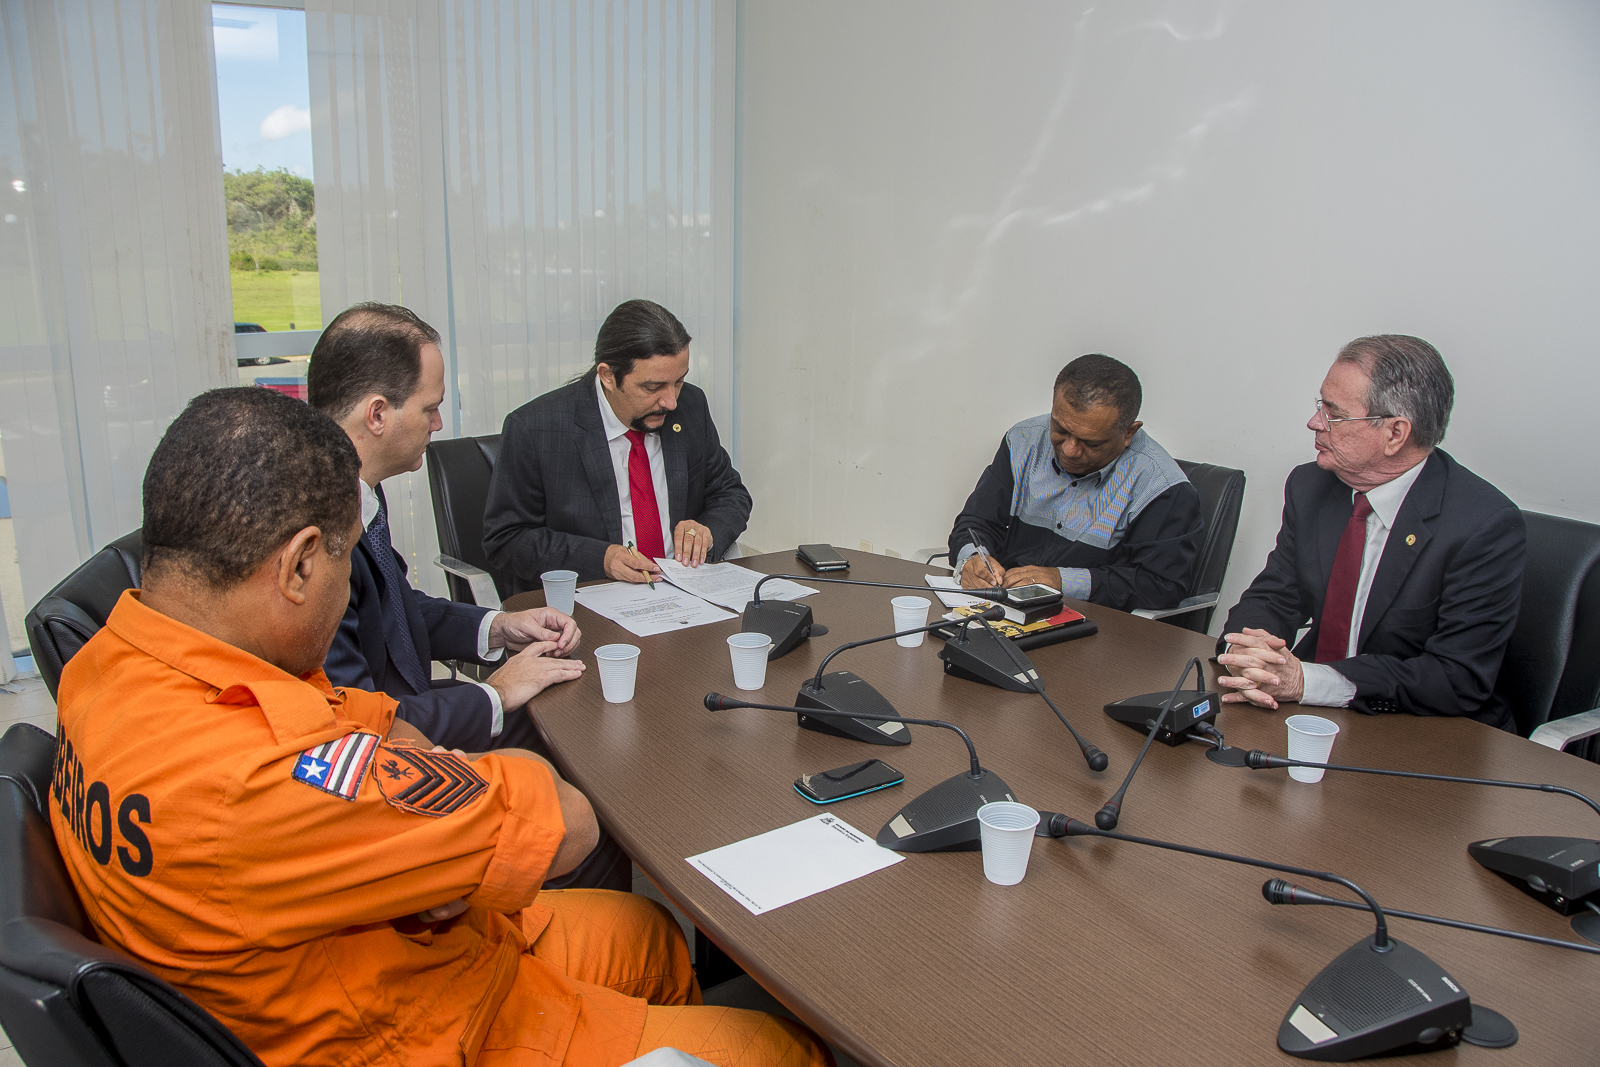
<point>996,593</point>
<point>1111,812</point>
<point>816,683</point>
<point>1096,759</point>
<point>718,702</point>
<point>1277,891</point>
<point>1380,937</point>
<point>1257,760</point>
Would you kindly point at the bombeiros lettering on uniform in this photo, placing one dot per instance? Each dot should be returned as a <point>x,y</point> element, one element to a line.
<point>86,808</point>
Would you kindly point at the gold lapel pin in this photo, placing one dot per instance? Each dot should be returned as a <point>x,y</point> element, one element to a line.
<point>676,428</point>
<point>1411,539</point>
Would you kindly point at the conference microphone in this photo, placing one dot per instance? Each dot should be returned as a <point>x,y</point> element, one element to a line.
<point>942,819</point>
<point>1022,667</point>
<point>789,622</point>
<point>843,693</point>
<point>1563,873</point>
<point>1379,997</point>
<point>1109,814</point>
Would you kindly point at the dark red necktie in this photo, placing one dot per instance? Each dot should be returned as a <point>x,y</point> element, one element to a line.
<point>1333,640</point>
<point>642,495</point>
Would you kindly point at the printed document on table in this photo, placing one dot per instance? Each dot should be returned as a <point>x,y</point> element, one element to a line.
<point>729,584</point>
<point>793,862</point>
<point>643,611</point>
<point>941,582</point>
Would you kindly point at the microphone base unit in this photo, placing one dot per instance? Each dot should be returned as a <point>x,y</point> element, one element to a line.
<point>1189,709</point>
<point>788,623</point>
<point>945,818</point>
<point>977,656</point>
<point>848,694</point>
<point>1371,1003</point>
<point>1562,873</point>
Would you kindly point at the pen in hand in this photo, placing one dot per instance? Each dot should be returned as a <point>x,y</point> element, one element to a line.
<point>647,581</point>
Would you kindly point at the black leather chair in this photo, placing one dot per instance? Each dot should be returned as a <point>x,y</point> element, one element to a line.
<point>1551,673</point>
<point>71,613</point>
<point>66,1001</point>
<point>1221,492</point>
<point>458,479</point>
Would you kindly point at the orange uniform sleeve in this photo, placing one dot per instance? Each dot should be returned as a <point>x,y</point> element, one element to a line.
<point>360,830</point>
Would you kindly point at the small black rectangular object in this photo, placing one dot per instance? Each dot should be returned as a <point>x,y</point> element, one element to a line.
<point>822,558</point>
<point>852,780</point>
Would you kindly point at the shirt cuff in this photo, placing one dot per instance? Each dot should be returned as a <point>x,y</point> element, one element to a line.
<point>1074,582</point>
<point>1325,687</point>
<point>497,711</point>
<point>484,651</point>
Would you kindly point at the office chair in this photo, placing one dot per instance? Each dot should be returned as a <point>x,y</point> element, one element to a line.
<point>71,613</point>
<point>458,480</point>
<point>64,1000</point>
<point>1551,673</point>
<point>1221,492</point>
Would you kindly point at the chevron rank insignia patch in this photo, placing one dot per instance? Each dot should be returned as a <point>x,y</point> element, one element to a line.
<point>337,766</point>
<point>426,783</point>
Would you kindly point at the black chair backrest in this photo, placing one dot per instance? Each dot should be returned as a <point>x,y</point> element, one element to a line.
<point>1552,665</point>
<point>74,610</point>
<point>1221,492</point>
<point>458,479</point>
<point>65,1000</point>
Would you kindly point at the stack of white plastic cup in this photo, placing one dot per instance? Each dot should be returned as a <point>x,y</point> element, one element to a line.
<point>1310,741</point>
<point>909,613</point>
<point>749,652</point>
<point>619,669</point>
<point>560,590</point>
<point>1006,831</point>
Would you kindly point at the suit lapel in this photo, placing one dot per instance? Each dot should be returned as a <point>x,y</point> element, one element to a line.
<point>596,456</point>
<point>1407,540</point>
<point>675,458</point>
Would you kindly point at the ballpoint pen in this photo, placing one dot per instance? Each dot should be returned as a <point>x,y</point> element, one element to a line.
<point>985,557</point>
<point>647,581</point>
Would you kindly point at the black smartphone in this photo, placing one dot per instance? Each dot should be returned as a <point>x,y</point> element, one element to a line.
<point>841,783</point>
<point>822,558</point>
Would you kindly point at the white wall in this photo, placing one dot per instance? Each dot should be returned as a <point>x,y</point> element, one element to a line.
<point>942,202</point>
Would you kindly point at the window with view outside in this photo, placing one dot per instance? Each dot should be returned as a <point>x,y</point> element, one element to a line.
<point>263,97</point>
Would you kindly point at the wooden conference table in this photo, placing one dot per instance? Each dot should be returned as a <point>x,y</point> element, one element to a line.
<point>1108,952</point>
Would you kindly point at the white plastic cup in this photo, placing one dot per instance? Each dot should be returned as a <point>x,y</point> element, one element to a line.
<point>909,613</point>
<point>1006,830</point>
<point>560,590</point>
<point>749,653</point>
<point>619,669</point>
<point>1310,741</point>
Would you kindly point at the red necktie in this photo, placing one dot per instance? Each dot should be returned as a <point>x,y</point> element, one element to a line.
<point>642,495</point>
<point>1333,640</point>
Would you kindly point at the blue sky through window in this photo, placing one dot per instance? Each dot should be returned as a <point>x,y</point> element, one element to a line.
<point>263,88</point>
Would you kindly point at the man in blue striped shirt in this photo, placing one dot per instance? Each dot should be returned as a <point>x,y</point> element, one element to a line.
<point>1083,500</point>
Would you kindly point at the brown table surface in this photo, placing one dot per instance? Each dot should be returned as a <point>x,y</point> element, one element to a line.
<point>1108,952</point>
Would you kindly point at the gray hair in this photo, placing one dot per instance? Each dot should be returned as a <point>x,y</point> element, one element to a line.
<point>1409,380</point>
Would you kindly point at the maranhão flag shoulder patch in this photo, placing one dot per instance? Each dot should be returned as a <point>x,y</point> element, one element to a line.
<point>426,783</point>
<point>337,766</point>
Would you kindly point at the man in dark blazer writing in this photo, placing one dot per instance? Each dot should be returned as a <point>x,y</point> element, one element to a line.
<point>1406,565</point>
<point>617,469</point>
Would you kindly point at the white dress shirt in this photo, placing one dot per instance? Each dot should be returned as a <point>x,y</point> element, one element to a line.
<point>1324,686</point>
<point>617,438</point>
<point>497,713</point>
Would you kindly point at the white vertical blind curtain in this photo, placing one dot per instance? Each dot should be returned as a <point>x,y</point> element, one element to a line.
<point>115,305</point>
<point>512,170</point>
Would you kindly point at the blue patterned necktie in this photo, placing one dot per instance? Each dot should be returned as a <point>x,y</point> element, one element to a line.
<point>398,632</point>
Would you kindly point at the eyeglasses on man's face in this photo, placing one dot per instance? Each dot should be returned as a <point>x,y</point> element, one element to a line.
<point>1329,420</point>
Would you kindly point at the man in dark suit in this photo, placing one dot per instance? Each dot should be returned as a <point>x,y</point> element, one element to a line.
<point>617,469</point>
<point>1406,565</point>
<point>378,372</point>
